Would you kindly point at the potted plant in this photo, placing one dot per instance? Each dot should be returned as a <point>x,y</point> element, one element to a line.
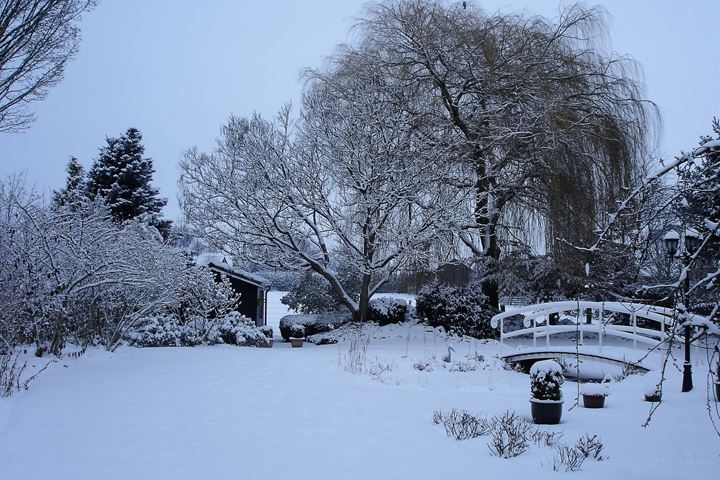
<point>546,397</point>
<point>653,392</point>
<point>297,335</point>
<point>594,395</point>
<point>267,332</point>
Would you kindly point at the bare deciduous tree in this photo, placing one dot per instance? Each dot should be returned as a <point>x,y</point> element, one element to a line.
<point>37,39</point>
<point>348,184</point>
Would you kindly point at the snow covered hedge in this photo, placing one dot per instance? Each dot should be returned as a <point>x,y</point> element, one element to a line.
<point>313,324</point>
<point>168,331</point>
<point>387,310</point>
<point>462,311</point>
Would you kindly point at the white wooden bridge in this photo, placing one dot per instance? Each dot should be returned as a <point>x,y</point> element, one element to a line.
<point>536,322</point>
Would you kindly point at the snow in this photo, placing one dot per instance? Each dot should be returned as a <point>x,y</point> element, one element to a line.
<point>671,235</point>
<point>594,389</point>
<point>225,412</point>
<point>545,366</point>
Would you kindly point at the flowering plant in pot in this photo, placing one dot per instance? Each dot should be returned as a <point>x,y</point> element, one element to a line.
<point>297,335</point>
<point>594,394</point>
<point>546,397</point>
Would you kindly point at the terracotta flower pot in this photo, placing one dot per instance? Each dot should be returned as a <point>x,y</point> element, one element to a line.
<point>546,412</point>
<point>297,342</point>
<point>593,401</point>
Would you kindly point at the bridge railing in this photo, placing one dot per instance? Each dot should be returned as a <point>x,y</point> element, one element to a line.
<point>536,321</point>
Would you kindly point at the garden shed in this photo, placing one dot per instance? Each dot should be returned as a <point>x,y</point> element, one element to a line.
<point>252,289</point>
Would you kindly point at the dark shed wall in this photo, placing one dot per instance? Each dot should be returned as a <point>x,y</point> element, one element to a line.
<point>248,298</point>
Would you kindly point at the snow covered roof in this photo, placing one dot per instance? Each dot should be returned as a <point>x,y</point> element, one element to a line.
<point>204,259</point>
<point>240,274</point>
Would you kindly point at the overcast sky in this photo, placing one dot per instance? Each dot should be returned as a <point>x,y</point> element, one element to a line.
<point>177,69</point>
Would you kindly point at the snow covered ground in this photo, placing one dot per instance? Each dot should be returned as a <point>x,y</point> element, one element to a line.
<point>227,412</point>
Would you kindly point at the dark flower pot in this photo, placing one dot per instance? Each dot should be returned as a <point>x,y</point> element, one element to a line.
<point>717,391</point>
<point>546,412</point>
<point>266,345</point>
<point>653,398</point>
<point>593,401</point>
<point>297,342</point>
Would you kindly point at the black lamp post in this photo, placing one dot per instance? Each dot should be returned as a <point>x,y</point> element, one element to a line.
<point>692,243</point>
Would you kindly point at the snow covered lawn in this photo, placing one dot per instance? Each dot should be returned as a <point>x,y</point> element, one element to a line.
<point>227,413</point>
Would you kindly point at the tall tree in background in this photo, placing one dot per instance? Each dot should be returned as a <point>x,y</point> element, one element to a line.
<point>37,39</point>
<point>74,191</point>
<point>546,129</point>
<point>121,176</point>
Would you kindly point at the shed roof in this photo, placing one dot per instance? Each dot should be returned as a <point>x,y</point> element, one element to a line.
<point>240,274</point>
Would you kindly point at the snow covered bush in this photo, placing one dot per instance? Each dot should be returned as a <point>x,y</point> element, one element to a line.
<point>462,311</point>
<point>509,435</point>
<point>567,458</point>
<point>387,310</point>
<point>462,425</point>
<point>313,324</point>
<point>590,446</point>
<point>69,272</point>
<point>236,329</point>
<point>11,369</point>
<point>267,331</point>
<point>545,380</point>
<point>297,331</point>
<point>156,331</point>
<point>167,331</point>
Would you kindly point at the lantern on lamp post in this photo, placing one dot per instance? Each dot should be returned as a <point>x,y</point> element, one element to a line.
<point>692,243</point>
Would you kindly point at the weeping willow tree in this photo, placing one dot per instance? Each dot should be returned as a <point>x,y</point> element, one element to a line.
<point>537,119</point>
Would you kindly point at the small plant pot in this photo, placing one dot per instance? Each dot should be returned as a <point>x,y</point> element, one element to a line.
<point>269,344</point>
<point>297,342</point>
<point>593,401</point>
<point>654,397</point>
<point>546,412</point>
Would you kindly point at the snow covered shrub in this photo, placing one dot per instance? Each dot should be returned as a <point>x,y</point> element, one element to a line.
<point>461,424</point>
<point>267,331</point>
<point>156,331</point>
<point>11,369</point>
<point>567,458</point>
<point>236,329</point>
<point>297,331</point>
<point>545,380</point>
<point>314,324</point>
<point>590,446</point>
<point>462,311</point>
<point>509,435</point>
<point>387,310</point>
<point>543,437</point>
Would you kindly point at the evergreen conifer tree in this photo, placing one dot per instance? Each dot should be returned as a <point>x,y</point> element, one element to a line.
<point>74,191</point>
<point>121,176</point>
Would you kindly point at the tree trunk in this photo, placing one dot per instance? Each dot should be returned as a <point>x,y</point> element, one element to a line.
<point>362,314</point>
<point>486,221</point>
